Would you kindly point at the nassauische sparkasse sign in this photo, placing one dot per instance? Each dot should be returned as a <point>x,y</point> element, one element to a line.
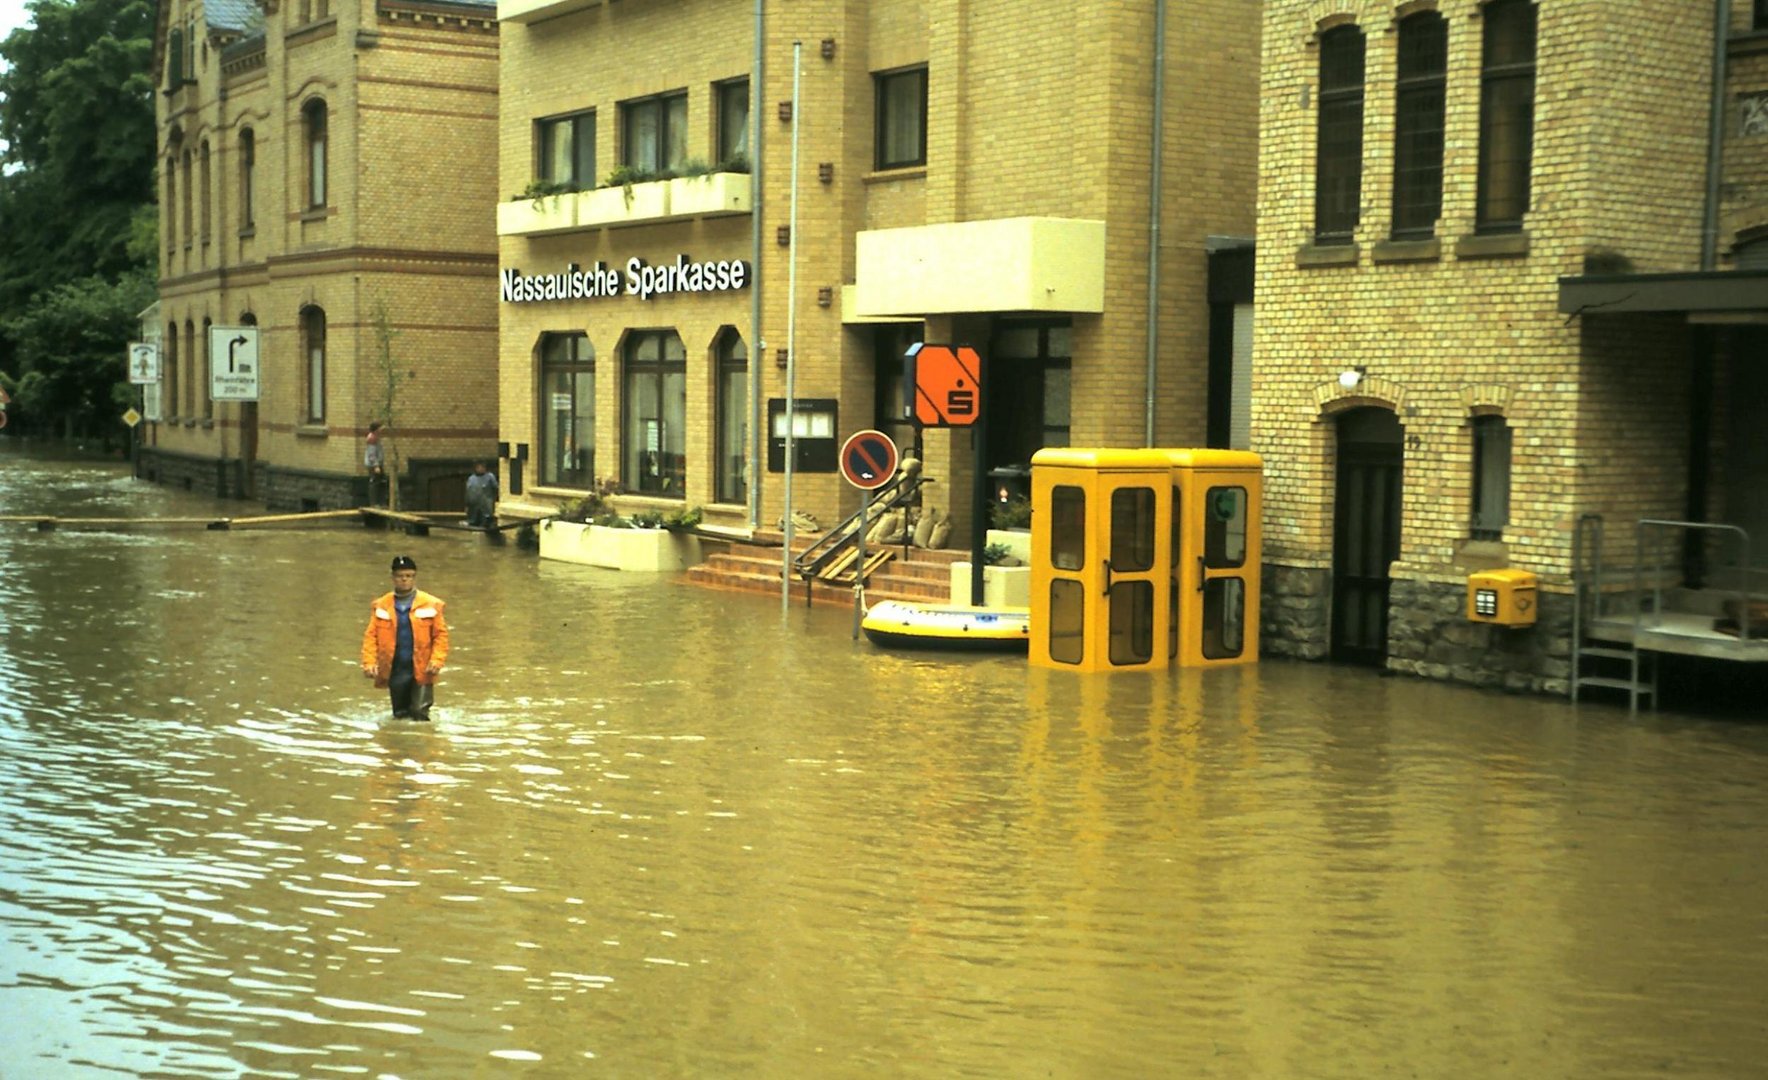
<point>641,279</point>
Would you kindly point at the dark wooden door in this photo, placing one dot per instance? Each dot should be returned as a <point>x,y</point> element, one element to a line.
<point>1366,534</point>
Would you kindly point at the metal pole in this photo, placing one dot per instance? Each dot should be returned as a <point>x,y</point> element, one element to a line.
<point>757,448</point>
<point>791,334</point>
<point>979,490</point>
<point>859,573</point>
<point>1152,360</point>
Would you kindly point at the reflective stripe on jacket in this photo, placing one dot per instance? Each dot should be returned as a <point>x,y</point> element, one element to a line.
<point>429,637</point>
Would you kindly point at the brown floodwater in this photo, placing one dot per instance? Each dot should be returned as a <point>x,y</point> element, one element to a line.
<point>661,831</point>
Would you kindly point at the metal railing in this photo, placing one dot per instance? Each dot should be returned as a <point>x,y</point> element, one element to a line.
<point>900,491</point>
<point>1657,586</point>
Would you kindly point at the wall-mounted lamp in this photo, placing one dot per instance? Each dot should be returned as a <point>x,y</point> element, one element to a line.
<point>783,235</point>
<point>1351,377</point>
<point>828,48</point>
<point>780,358</point>
<point>825,171</point>
<point>825,295</point>
<point>786,111</point>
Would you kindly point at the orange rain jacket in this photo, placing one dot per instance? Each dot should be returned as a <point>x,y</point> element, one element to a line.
<point>429,638</point>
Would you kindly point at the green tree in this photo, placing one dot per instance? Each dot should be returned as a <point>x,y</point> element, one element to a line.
<point>76,185</point>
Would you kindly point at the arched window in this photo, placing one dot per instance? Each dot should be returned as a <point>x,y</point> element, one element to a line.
<point>193,376</point>
<point>208,372</point>
<point>1338,168</point>
<point>1491,477</point>
<point>313,374</point>
<point>207,200</point>
<point>248,164</point>
<point>169,372</point>
<point>1418,125</point>
<point>733,417</point>
<point>567,410</point>
<point>313,131</point>
<point>656,407</point>
<point>189,222</point>
<point>169,220</point>
<point>1506,115</point>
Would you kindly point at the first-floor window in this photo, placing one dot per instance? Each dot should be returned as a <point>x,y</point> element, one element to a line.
<point>733,418</point>
<point>207,390</point>
<point>567,150</point>
<point>567,410</point>
<point>169,369</point>
<point>656,405</point>
<point>194,376</point>
<point>1491,477</point>
<point>900,120</point>
<point>313,346</point>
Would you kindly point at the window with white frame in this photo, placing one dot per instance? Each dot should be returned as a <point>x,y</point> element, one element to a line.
<point>313,124</point>
<point>313,374</point>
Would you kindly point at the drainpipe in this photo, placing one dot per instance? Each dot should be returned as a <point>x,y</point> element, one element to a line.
<point>757,448</point>
<point>1709,237</point>
<point>1154,215</point>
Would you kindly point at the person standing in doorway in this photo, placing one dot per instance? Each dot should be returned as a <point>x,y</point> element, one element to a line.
<point>374,459</point>
<point>482,497</point>
<point>406,643</point>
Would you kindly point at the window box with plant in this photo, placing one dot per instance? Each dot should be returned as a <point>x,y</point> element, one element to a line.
<point>590,532</point>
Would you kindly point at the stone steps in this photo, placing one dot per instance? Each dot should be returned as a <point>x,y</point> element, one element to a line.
<point>924,577</point>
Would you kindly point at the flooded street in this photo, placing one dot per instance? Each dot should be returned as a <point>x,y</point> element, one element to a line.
<point>662,831</point>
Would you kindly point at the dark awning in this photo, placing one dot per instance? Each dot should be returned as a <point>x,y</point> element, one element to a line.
<point>1716,291</point>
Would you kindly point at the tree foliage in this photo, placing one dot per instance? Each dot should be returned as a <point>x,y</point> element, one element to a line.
<point>76,193</point>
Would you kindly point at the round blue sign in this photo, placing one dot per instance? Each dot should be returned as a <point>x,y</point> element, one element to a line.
<point>868,459</point>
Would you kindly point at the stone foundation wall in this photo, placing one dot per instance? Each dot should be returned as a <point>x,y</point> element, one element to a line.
<point>1296,612</point>
<point>1428,634</point>
<point>189,472</point>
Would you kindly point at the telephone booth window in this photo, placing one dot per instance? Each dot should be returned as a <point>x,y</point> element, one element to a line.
<point>1224,528</point>
<point>1224,617</point>
<point>1132,530</point>
<point>1067,620</point>
<point>1172,606</point>
<point>1068,528</point>
<point>1132,622</point>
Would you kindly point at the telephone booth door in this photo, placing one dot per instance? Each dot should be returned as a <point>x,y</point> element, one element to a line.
<point>1100,559</point>
<point>1216,571</point>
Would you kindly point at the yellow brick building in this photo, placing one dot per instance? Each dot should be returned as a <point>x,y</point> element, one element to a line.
<point>327,178</point>
<point>1485,308</point>
<point>969,172</point>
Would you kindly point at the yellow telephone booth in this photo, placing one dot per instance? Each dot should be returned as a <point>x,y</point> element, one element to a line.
<point>1101,559</point>
<point>1217,498</point>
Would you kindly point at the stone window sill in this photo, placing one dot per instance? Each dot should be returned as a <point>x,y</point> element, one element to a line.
<point>208,423</point>
<point>1311,255</point>
<point>1406,251</point>
<point>1494,246</point>
<point>317,213</point>
<point>248,232</point>
<point>311,431</point>
<point>1747,43</point>
<point>884,176</point>
<point>1475,555</point>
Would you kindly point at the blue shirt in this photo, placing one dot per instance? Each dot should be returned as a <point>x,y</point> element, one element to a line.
<point>402,646</point>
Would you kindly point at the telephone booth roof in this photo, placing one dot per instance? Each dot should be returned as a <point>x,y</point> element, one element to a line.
<point>1108,457</point>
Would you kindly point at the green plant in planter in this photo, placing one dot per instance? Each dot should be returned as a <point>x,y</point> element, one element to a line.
<point>647,519</point>
<point>685,518</point>
<point>581,509</point>
<point>1015,513</point>
<point>695,167</point>
<point>624,176</point>
<point>995,554</point>
<point>607,519</point>
<point>541,190</point>
<point>737,163</point>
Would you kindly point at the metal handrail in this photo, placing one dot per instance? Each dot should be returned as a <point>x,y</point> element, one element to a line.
<point>1657,586</point>
<point>901,488</point>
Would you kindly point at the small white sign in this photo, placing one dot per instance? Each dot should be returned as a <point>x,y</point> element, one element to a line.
<point>144,362</point>
<point>561,403</point>
<point>233,363</point>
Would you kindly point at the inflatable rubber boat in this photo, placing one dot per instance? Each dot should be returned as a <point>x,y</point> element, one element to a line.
<point>896,624</point>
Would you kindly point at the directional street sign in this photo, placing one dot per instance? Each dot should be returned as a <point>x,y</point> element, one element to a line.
<point>233,363</point>
<point>947,384</point>
<point>144,362</point>
<point>868,459</point>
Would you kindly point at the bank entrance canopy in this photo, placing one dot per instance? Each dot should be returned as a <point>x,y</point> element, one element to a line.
<point>1026,264</point>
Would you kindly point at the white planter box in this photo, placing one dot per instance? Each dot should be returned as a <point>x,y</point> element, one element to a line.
<point>651,550</point>
<point>712,195</point>
<point>640,203</point>
<point>553,214</point>
<point>1017,541</point>
<point>1002,586</point>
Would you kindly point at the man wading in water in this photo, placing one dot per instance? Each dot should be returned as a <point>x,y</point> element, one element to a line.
<point>406,643</point>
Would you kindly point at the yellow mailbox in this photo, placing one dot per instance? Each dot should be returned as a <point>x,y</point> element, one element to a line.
<point>1502,597</point>
<point>1100,558</point>
<point>1218,500</point>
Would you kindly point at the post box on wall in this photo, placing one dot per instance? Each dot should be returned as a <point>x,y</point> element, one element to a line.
<point>1502,597</point>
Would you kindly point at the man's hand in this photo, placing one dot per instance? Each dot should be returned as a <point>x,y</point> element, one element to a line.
<point>368,671</point>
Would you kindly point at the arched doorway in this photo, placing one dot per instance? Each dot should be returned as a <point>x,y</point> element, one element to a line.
<point>1366,532</point>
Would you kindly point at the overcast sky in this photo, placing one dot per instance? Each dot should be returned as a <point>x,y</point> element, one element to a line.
<point>12,16</point>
